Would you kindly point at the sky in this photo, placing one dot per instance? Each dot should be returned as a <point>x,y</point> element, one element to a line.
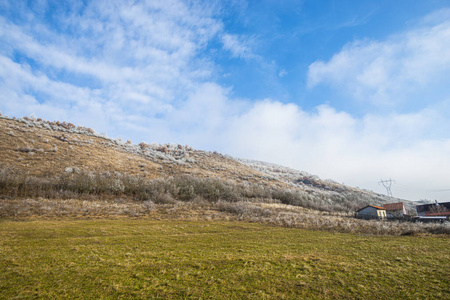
<point>353,91</point>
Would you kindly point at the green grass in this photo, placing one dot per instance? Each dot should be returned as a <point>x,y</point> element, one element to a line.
<point>109,259</point>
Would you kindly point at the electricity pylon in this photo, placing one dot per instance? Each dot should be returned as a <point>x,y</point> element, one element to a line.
<point>387,184</point>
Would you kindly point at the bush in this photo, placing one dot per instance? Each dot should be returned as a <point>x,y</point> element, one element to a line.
<point>77,183</point>
<point>247,201</point>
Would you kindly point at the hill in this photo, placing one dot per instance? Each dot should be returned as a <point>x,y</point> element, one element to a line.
<point>47,148</point>
<point>46,168</point>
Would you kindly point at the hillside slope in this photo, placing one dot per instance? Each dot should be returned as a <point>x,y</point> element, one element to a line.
<point>41,148</point>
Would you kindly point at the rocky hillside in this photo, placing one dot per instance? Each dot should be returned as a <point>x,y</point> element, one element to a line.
<point>42,149</point>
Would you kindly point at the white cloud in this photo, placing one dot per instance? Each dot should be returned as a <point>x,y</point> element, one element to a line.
<point>239,46</point>
<point>393,71</point>
<point>282,73</point>
<point>357,151</point>
<point>117,58</point>
<point>436,17</point>
<point>152,47</point>
<point>410,69</point>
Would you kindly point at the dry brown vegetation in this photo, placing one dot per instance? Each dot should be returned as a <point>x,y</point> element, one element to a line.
<point>63,171</point>
<point>89,195</point>
<point>48,151</point>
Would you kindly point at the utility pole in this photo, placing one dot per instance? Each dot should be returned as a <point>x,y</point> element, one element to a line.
<point>387,184</point>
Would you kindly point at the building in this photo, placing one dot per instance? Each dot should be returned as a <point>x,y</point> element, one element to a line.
<point>372,212</point>
<point>395,210</point>
<point>434,210</point>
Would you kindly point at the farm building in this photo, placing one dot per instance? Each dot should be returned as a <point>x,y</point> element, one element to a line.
<point>434,210</point>
<point>372,212</point>
<point>395,210</point>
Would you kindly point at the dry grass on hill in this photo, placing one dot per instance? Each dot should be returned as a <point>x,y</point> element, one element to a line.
<point>58,171</point>
<point>42,152</point>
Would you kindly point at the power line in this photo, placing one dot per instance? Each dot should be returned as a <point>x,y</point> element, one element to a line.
<point>387,184</point>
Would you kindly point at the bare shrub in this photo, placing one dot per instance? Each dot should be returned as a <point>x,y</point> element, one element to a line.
<point>25,149</point>
<point>138,195</point>
<point>243,209</point>
<point>200,202</point>
<point>143,145</point>
<point>165,199</point>
<point>149,205</point>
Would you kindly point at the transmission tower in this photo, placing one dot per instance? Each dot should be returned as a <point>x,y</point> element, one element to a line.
<point>387,184</point>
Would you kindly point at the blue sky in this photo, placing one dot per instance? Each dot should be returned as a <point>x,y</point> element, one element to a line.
<point>354,91</point>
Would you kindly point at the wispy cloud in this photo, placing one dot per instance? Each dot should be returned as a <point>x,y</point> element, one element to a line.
<point>392,71</point>
<point>131,57</point>
<point>239,46</point>
<point>282,73</point>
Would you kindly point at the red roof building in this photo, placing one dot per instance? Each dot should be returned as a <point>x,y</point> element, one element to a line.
<point>395,210</point>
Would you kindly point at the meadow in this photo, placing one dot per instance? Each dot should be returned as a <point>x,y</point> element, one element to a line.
<point>181,259</point>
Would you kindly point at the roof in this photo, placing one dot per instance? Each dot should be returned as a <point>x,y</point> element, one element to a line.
<point>394,206</point>
<point>374,206</point>
<point>430,206</point>
<point>441,213</point>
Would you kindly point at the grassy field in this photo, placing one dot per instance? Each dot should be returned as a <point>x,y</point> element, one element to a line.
<point>143,258</point>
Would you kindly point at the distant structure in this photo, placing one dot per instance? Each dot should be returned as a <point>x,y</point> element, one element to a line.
<point>395,210</point>
<point>434,210</point>
<point>372,212</point>
<point>387,184</point>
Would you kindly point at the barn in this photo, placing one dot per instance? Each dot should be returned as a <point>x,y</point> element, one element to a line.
<point>434,210</point>
<point>395,210</point>
<point>372,212</point>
